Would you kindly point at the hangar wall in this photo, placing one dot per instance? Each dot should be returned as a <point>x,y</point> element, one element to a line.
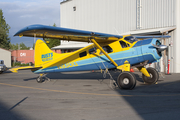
<point>110,16</point>
<point>121,16</point>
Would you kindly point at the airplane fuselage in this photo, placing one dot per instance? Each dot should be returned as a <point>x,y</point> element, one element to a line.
<point>91,58</point>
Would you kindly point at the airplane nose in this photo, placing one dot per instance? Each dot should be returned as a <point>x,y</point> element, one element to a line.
<point>160,48</point>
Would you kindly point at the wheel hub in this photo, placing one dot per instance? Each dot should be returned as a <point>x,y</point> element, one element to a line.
<point>126,81</point>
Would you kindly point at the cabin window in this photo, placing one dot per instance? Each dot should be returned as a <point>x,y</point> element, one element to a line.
<point>83,54</point>
<point>92,50</point>
<point>124,44</point>
<point>130,39</point>
<point>107,49</point>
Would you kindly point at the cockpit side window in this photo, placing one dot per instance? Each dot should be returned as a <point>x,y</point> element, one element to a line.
<point>107,49</point>
<point>124,44</point>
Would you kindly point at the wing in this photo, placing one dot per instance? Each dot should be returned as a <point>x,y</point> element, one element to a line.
<point>43,31</point>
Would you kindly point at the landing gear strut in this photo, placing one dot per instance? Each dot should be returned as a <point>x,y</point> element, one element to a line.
<point>41,78</point>
<point>154,76</point>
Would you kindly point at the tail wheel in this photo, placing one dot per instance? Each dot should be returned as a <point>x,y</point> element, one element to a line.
<point>154,76</point>
<point>39,79</point>
<point>126,80</point>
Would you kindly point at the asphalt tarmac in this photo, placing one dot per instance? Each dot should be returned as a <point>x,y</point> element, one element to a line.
<point>86,96</point>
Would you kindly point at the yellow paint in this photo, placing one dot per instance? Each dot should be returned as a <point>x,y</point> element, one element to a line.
<point>60,91</point>
<point>75,38</point>
<point>83,93</point>
<point>20,35</point>
<point>43,54</point>
<point>144,71</point>
<point>125,66</point>
<point>15,70</point>
<point>67,65</point>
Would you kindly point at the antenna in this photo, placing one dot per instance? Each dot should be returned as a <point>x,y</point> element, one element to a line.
<point>116,31</point>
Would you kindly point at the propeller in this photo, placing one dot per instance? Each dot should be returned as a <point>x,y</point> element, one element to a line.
<point>160,48</point>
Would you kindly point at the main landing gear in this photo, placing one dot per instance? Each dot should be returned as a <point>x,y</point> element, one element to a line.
<point>127,80</point>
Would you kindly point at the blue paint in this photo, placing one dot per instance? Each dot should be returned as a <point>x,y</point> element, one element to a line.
<point>47,57</point>
<point>62,31</point>
<point>143,42</point>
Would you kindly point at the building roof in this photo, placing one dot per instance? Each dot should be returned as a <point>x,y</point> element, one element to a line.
<point>65,1</point>
<point>5,49</point>
<point>156,31</point>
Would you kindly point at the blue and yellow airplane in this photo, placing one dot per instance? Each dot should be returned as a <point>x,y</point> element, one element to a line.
<point>107,52</point>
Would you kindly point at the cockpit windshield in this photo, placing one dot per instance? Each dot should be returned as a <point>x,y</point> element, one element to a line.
<point>130,39</point>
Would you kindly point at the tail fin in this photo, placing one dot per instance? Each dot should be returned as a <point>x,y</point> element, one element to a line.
<point>43,54</point>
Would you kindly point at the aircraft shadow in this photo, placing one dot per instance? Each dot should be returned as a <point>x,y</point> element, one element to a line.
<point>157,101</point>
<point>95,75</point>
<point>7,113</point>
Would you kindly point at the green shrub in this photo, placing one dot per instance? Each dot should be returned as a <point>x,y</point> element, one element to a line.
<point>20,64</point>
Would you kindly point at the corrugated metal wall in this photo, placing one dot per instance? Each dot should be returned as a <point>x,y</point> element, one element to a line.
<point>157,13</point>
<point>99,15</point>
<point>111,16</point>
<point>121,16</point>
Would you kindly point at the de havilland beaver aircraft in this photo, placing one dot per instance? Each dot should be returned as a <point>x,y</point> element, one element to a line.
<point>108,51</point>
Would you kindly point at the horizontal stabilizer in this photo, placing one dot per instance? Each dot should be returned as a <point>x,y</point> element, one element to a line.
<point>32,68</point>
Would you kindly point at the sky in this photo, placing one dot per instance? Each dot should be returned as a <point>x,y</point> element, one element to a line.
<point>21,13</point>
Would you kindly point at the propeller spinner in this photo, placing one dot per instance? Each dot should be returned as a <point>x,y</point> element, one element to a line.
<point>160,48</point>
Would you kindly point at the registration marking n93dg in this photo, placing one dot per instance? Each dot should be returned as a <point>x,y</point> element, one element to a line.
<point>67,65</point>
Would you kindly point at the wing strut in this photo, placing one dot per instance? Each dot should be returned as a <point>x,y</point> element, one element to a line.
<point>124,67</point>
<point>104,52</point>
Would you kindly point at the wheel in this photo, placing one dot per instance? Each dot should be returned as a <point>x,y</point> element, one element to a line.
<point>126,80</point>
<point>154,76</point>
<point>39,79</point>
<point>1,72</point>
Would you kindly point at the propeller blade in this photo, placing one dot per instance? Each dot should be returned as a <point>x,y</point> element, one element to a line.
<point>160,48</point>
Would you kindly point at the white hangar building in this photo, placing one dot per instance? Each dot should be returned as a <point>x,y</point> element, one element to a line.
<point>136,17</point>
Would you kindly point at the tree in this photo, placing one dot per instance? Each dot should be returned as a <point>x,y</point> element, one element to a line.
<point>13,46</point>
<point>52,42</point>
<point>20,46</point>
<point>23,47</point>
<point>4,32</point>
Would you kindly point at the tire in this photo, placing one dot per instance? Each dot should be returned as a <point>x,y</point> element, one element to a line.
<point>154,76</point>
<point>126,80</point>
<point>39,79</point>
